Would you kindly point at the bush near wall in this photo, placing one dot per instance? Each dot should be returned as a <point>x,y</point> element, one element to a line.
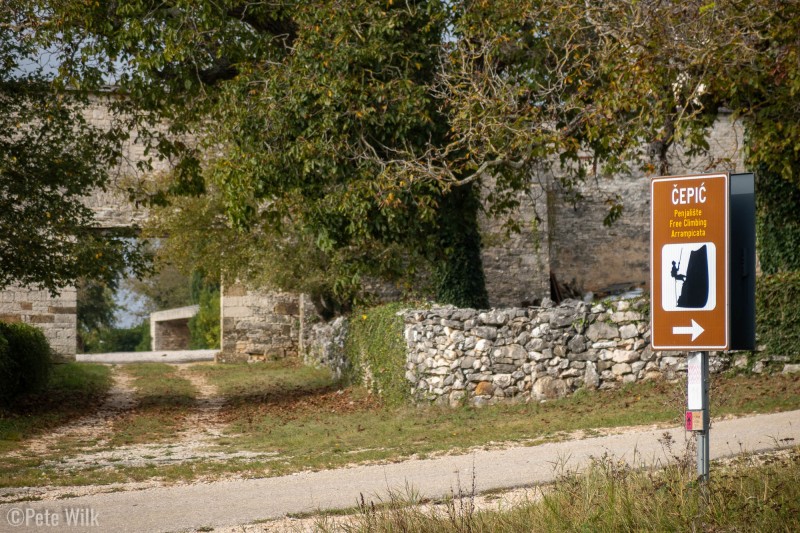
<point>25,360</point>
<point>778,313</point>
<point>376,352</point>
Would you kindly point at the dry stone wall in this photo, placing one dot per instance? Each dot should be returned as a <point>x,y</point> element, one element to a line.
<point>56,317</point>
<point>323,346</point>
<point>538,353</point>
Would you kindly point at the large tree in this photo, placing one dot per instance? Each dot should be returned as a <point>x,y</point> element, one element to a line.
<point>51,159</point>
<point>296,110</point>
<point>353,137</point>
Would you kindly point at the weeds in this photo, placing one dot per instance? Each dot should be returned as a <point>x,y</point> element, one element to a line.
<point>754,493</point>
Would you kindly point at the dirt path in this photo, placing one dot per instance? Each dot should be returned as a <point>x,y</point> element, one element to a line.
<point>204,423</point>
<point>193,442</point>
<point>93,430</point>
<point>199,429</point>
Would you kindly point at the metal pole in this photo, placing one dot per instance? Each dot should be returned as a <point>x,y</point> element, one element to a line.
<point>703,449</point>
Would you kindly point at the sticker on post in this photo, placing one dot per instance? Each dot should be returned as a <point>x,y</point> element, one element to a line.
<point>694,421</point>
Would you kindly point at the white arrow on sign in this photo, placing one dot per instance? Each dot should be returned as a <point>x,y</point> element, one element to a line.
<point>694,330</point>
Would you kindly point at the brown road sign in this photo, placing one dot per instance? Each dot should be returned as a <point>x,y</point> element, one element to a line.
<point>689,262</point>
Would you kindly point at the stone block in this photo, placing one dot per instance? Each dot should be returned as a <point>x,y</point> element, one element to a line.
<point>628,331</point>
<point>235,290</point>
<point>536,345</point>
<point>562,320</point>
<point>55,310</point>
<point>287,308</point>
<point>624,356</point>
<point>513,352</point>
<point>484,388</point>
<point>483,346</point>
<point>604,345</point>
<point>627,316</point>
<point>602,330</point>
<point>456,398</point>
<point>502,380</point>
<point>577,344</point>
<point>237,312</point>
<point>493,318</point>
<point>647,353</point>
<point>467,362</point>
<point>589,355</point>
<point>486,332</point>
<point>620,369</point>
<point>571,373</point>
<point>538,356</point>
<point>549,388</point>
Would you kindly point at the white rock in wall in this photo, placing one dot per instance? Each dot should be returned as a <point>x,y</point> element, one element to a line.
<point>602,330</point>
<point>628,331</point>
<point>483,346</point>
<point>590,377</point>
<point>620,369</point>
<point>624,356</point>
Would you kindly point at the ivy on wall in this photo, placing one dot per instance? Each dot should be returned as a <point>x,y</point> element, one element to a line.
<point>778,313</point>
<point>777,223</point>
<point>375,347</point>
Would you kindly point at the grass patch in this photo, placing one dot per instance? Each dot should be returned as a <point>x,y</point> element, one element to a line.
<point>270,382</point>
<point>74,390</point>
<point>751,495</point>
<point>317,427</point>
<point>299,414</point>
<point>164,398</point>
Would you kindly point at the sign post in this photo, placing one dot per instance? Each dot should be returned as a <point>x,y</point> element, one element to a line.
<point>697,418</point>
<point>702,278</point>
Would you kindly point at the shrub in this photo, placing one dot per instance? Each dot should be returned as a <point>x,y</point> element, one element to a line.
<point>112,339</point>
<point>25,360</point>
<point>375,346</point>
<point>778,313</point>
<point>204,326</point>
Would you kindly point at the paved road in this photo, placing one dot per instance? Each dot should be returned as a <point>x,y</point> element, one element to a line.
<point>239,502</point>
<point>163,356</point>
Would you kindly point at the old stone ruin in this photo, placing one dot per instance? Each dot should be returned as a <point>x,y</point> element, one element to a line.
<point>563,249</point>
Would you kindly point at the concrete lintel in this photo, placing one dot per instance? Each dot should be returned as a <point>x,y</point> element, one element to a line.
<point>178,313</point>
